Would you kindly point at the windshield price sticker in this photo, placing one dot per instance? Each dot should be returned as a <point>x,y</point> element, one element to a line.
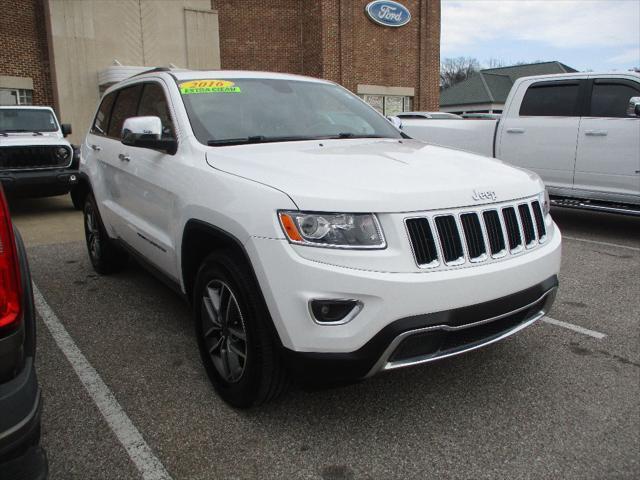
<point>208,86</point>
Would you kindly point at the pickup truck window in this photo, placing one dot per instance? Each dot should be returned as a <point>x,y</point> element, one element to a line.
<point>126,106</point>
<point>264,110</point>
<point>27,120</point>
<point>611,99</point>
<point>551,99</point>
<point>101,122</point>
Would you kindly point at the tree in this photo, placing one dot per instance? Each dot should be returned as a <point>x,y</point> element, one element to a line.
<point>455,70</point>
<point>494,63</point>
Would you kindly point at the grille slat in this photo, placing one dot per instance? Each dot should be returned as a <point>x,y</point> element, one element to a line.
<point>473,235</point>
<point>421,236</point>
<point>494,231</point>
<point>513,229</point>
<point>527,223</point>
<point>41,156</point>
<point>449,238</point>
<point>537,213</point>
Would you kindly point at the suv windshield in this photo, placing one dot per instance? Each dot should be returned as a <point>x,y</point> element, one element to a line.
<point>27,120</point>
<point>237,111</point>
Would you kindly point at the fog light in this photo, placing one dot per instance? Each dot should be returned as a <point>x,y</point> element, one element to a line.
<point>334,312</point>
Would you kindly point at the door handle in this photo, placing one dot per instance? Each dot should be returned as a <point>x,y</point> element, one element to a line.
<point>515,130</point>
<point>596,133</point>
<point>97,148</point>
<point>124,158</point>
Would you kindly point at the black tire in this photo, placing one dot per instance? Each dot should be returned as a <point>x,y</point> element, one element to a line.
<point>259,377</point>
<point>77,199</point>
<point>106,257</point>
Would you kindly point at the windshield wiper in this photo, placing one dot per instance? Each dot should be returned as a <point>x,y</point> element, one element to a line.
<point>236,141</point>
<point>254,139</point>
<point>355,135</point>
<point>37,134</point>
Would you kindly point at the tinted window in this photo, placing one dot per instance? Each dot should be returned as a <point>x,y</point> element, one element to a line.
<point>125,107</point>
<point>611,99</point>
<point>550,100</point>
<point>101,122</point>
<point>154,103</point>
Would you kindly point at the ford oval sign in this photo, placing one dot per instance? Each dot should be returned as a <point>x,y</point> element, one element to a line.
<point>388,13</point>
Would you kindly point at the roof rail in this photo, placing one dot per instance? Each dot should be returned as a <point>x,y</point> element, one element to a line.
<point>153,70</point>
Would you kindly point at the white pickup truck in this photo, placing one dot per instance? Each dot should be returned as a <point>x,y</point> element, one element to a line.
<point>580,132</point>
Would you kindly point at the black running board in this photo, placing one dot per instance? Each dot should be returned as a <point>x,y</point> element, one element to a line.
<point>619,208</point>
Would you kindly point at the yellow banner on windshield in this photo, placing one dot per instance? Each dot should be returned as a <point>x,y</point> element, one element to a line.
<point>208,86</point>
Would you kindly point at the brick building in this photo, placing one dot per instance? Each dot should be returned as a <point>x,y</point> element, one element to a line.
<point>65,52</point>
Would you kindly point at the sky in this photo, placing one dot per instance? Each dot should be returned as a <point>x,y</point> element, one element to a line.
<point>599,35</point>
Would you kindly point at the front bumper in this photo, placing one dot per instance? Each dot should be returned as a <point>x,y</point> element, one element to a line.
<point>427,338</point>
<point>39,183</point>
<point>394,302</point>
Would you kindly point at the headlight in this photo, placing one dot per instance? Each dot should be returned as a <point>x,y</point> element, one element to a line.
<point>333,230</point>
<point>62,153</point>
<point>545,203</point>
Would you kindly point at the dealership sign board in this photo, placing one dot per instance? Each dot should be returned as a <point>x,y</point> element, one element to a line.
<point>388,13</point>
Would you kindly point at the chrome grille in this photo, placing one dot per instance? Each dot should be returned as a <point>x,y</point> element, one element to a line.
<point>537,213</point>
<point>456,238</point>
<point>424,246</point>
<point>474,238</point>
<point>450,241</point>
<point>495,233</point>
<point>513,229</point>
<point>527,224</point>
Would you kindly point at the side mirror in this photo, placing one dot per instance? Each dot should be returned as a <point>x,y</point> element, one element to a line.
<point>396,122</point>
<point>146,132</point>
<point>633,110</point>
<point>66,129</point>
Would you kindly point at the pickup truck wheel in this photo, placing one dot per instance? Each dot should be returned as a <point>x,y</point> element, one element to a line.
<point>106,257</point>
<point>231,323</point>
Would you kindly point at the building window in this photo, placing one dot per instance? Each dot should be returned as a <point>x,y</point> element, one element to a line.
<point>389,105</point>
<point>15,96</point>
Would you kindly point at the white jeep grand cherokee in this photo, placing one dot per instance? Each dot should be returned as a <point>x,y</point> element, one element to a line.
<point>312,238</point>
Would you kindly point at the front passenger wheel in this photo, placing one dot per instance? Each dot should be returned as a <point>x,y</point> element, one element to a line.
<point>106,257</point>
<point>237,347</point>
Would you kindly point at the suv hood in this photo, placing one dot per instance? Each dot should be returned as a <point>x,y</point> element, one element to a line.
<point>30,140</point>
<point>374,175</point>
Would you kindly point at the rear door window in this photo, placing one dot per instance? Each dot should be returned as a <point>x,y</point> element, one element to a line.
<point>125,107</point>
<point>551,99</point>
<point>611,99</point>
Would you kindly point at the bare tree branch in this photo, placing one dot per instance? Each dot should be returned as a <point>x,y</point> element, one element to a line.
<point>455,70</point>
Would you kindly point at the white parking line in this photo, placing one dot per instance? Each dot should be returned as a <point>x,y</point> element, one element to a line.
<point>575,328</point>
<point>140,453</point>
<point>606,244</point>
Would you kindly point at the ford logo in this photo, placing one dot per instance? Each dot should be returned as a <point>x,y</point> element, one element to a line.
<point>388,13</point>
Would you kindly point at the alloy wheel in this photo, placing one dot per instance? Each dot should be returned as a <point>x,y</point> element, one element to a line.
<point>223,331</point>
<point>93,233</point>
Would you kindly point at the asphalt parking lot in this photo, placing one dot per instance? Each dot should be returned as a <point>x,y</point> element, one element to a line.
<point>550,402</point>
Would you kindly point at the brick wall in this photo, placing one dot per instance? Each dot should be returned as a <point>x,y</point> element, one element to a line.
<point>260,34</point>
<point>334,39</point>
<point>23,46</point>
